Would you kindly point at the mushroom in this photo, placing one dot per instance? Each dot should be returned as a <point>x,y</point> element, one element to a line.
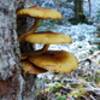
<point>56,61</point>
<point>46,38</point>
<point>29,68</point>
<point>39,13</point>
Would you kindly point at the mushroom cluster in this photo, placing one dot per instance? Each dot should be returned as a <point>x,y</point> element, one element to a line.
<point>40,61</point>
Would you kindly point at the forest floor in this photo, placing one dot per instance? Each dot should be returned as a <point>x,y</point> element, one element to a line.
<point>81,84</point>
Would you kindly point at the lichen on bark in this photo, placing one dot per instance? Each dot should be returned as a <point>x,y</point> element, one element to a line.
<point>9,52</point>
<point>9,47</point>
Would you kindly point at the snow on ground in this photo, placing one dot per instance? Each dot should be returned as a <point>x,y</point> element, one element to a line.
<point>82,35</point>
<point>95,7</point>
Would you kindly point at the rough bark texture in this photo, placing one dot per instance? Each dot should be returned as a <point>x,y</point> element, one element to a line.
<point>9,52</point>
<point>12,85</point>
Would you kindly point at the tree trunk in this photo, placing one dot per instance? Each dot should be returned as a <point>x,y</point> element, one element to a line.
<point>9,52</point>
<point>12,85</point>
<point>79,16</point>
<point>78,8</point>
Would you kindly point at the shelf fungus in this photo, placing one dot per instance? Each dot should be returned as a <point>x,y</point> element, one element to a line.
<point>29,68</point>
<point>56,61</point>
<point>39,13</point>
<point>46,38</point>
<point>45,60</point>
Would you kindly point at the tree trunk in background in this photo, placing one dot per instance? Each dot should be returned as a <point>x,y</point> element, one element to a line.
<point>79,16</point>
<point>78,8</point>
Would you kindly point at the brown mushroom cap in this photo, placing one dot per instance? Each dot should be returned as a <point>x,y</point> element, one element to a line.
<point>29,68</point>
<point>46,38</point>
<point>56,61</point>
<point>40,12</point>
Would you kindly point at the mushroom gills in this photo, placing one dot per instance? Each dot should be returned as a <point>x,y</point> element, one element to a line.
<point>46,38</point>
<point>30,68</point>
<point>56,61</point>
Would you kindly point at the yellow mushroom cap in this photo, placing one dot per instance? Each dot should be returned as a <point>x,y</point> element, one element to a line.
<point>29,68</point>
<point>56,61</point>
<point>40,12</point>
<point>46,38</point>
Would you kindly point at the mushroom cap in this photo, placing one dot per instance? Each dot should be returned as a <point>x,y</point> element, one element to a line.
<point>27,67</point>
<point>40,12</point>
<point>56,61</point>
<point>46,38</point>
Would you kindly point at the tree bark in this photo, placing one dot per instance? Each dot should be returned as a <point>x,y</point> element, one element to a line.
<point>13,84</point>
<point>9,52</point>
<point>78,8</point>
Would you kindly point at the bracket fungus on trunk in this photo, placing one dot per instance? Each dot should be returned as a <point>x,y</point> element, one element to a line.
<point>46,38</point>
<point>56,61</point>
<point>39,13</point>
<point>29,68</point>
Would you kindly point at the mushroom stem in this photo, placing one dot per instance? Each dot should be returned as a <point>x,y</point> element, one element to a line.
<point>34,27</point>
<point>45,48</point>
<point>31,30</point>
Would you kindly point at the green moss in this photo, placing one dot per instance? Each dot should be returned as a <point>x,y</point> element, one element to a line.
<point>63,97</point>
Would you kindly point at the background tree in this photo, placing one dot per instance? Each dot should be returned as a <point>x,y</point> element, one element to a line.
<point>79,16</point>
<point>78,9</point>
